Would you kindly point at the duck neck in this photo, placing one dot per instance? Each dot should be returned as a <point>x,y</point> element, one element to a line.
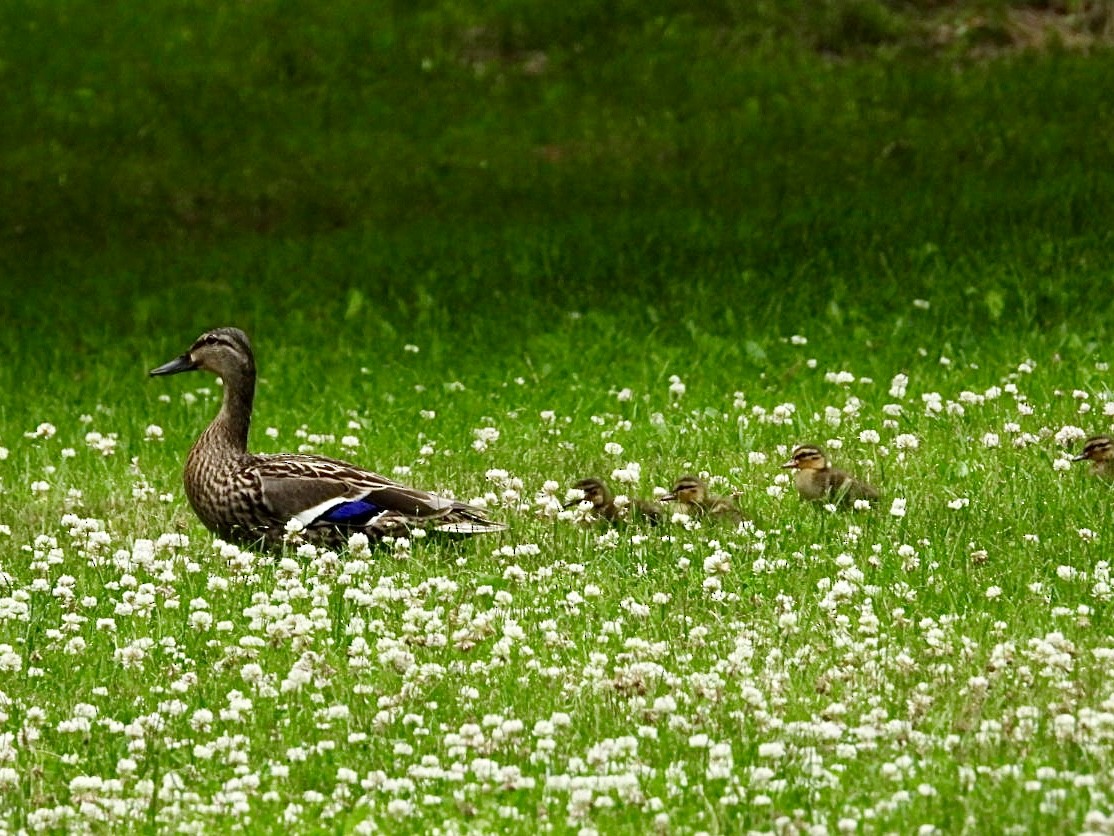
<point>230,427</point>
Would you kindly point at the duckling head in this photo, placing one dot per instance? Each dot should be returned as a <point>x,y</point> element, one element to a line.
<point>688,490</point>
<point>594,490</point>
<point>225,352</point>
<point>807,457</point>
<point>1098,449</point>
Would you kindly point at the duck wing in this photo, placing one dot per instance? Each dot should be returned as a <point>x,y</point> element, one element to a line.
<point>316,490</point>
<point>845,488</point>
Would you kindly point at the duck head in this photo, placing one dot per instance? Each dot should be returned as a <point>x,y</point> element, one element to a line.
<point>688,490</point>
<point>225,352</point>
<point>1098,449</point>
<point>594,490</point>
<point>807,457</point>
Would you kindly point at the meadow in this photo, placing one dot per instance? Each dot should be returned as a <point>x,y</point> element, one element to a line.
<point>489,249</point>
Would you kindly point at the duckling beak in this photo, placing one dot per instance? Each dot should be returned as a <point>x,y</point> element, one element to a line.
<point>790,463</point>
<point>669,497</point>
<point>184,363</point>
<point>1080,457</point>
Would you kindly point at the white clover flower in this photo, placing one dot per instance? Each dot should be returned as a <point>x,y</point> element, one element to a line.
<point>959,503</point>
<point>773,750</point>
<point>1087,535</point>
<point>624,395</point>
<point>906,441</point>
<point>899,385</point>
<point>613,449</point>
<point>990,440</point>
<point>44,430</point>
<point>484,436</point>
<point>294,526</point>
<point>869,437</point>
<point>756,457</point>
<point>676,387</point>
<point>153,432</point>
<point>629,474</point>
<point>1068,434</point>
<point>548,415</point>
<point>897,507</point>
<point>840,378</point>
<point>350,441</point>
<point>993,592</point>
<point>427,414</point>
<point>104,444</point>
<point>1061,464</point>
<point>40,486</point>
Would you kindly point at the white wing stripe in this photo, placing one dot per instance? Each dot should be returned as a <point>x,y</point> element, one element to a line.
<point>310,514</point>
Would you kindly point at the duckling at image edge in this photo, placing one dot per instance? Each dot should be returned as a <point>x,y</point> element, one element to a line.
<point>691,493</point>
<point>817,481</point>
<point>1099,451</point>
<point>604,506</point>
<point>248,498</point>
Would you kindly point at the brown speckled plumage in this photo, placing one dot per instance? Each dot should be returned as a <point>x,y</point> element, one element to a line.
<point>692,495</point>
<point>249,499</point>
<point>816,481</point>
<point>605,508</point>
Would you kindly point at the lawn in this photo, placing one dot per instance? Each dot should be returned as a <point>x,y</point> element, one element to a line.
<point>489,250</point>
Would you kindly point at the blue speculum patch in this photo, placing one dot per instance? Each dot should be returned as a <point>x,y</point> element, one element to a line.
<point>356,512</point>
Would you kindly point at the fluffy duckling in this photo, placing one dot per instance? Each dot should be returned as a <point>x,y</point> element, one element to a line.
<point>605,507</point>
<point>1099,451</point>
<point>816,481</point>
<point>692,495</point>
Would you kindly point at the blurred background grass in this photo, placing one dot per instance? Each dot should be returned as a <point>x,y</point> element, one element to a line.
<point>701,177</point>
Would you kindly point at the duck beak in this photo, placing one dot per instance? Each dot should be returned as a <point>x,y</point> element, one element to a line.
<point>184,363</point>
<point>1080,457</point>
<point>669,497</point>
<point>790,463</point>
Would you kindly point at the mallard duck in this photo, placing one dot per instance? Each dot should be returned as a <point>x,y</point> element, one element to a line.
<point>816,481</point>
<point>248,498</point>
<point>692,495</point>
<point>1099,451</point>
<point>604,506</point>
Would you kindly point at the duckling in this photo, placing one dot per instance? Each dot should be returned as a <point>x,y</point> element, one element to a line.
<point>692,495</point>
<point>1099,450</point>
<point>249,498</point>
<point>816,481</point>
<point>605,507</point>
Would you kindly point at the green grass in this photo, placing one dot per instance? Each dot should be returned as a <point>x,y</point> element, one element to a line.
<point>671,191</point>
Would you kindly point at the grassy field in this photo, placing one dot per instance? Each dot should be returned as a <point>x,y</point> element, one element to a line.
<point>624,240</point>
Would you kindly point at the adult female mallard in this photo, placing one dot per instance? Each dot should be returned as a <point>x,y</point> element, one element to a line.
<point>249,498</point>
